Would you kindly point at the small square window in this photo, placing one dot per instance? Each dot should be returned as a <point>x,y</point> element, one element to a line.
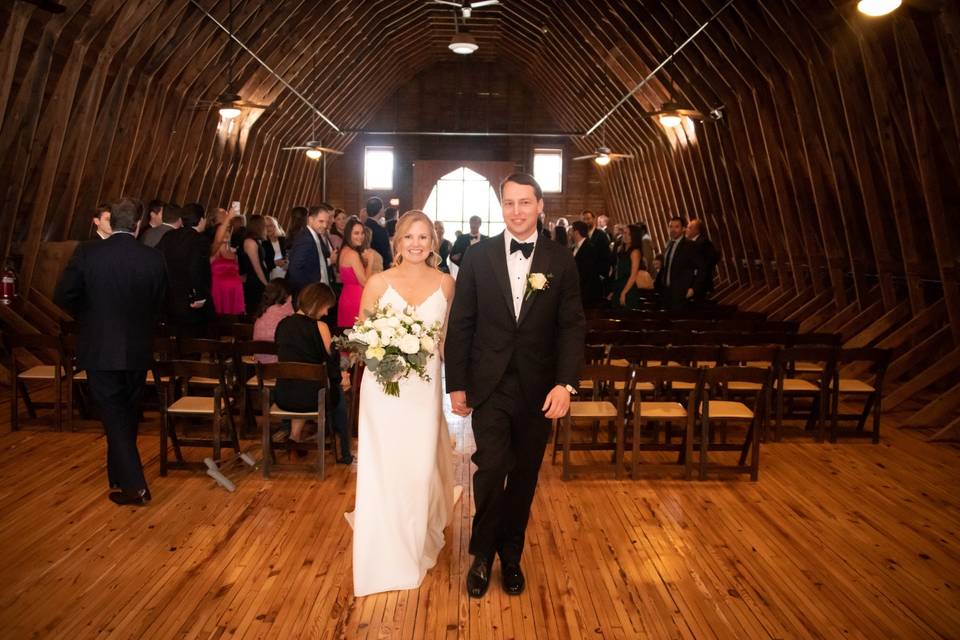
<point>548,169</point>
<point>378,168</point>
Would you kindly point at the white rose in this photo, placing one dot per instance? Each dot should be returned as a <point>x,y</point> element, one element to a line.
<point>375,353</point>
<point>409,344</point>
<point>386,336</point>
<point>381,323</point>
<point>538,281</point>
<point>415,329</point>
<point>372,338</point>
<point>427,344</point>
<point>393,321</point>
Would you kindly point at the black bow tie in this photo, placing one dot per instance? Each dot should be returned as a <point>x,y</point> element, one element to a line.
<point>524,247</point>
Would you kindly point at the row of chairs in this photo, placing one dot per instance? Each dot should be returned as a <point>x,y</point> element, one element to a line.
<point>693,337</point>
<point>735,324</point>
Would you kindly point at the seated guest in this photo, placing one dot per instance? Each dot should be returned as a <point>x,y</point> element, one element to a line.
<point>588,265</point>
<point>304,337</point>
<point>101,223</point>
<point>277,304</point>
<point>631,277</point>
<point>226,285</point>
<point>169,219</point>
<point>374,259</point>
<point>253,267</point>
<point>467,240</point>
<point>189,304</point>
<point>275,249</point>
<point>444,249</point>
<point>354,268</point>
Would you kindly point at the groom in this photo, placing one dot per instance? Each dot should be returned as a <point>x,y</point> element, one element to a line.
<point>513,353</point>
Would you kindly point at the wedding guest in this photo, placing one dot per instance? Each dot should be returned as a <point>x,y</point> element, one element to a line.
<point>339,223</point>
<point>445,247</point>
<point>227,231</point>
<point>467,240</point>
<point>275,249</point>
<point>226,285</point>
<point>390,215</point>
<point>374,259</point>
<point>298,222</point>
<point>277,304</point>
<point>560,232</point>
<point>309,253</point>
<point>253,266</point>
<point>647,248</point>
<point>589,266</point>
<point>304,337</point>
<point>189,307</point>
<point>657,266</point>
<point>115,289</point>
<point>681,260</point>
<point>599,238</point>
<point>152,216</point>
<point>708,258</point>
<point>371,216</point>
<point>216,218</point>
<point>631,277</point>
<point>169,220</point>
<point>353,267</point>
<point>101,223</point>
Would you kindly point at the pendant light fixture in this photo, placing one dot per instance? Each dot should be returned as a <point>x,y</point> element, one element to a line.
<point>462,42</point>
<point>878,7</point>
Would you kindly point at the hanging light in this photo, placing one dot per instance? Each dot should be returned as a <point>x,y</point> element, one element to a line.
<point>314,154</point>
<point>229,112</point>
<point>877,7</point>
<point>602,159</point>
<point>463,43</point>
<point>670,120</point>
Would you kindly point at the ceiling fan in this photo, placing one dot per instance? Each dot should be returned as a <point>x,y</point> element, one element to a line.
<point>314,149</point>
<point>466,8</point>
<point>603,155</point>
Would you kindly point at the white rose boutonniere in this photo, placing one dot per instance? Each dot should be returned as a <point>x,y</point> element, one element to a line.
<point>537,282</point>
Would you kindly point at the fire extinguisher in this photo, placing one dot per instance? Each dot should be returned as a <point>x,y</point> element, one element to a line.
<point>8,286</point>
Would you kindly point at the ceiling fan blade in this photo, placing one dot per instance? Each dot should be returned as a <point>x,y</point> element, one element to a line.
<point>449,4</point>
<point>328,150</point>
<point>621,155</point>
<point>250,105</point>
<point>589,157</point>
<point>295,148</point>
<point>483,3</point>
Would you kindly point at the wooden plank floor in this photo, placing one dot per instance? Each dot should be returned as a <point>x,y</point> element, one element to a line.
<point>849,540</point>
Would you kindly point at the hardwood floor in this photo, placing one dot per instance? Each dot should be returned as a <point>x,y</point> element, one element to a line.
<point>850,540</point>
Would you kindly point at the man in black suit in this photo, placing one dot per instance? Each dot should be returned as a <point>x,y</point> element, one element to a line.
<point>370,216</point>
<point>599,239</point>
<point>187,253</point>
<point>310,254</point>
<point>170,220</point>
<point>100,225</point>
<point>513,354</point>
<point>115,289</point>
<point>708,258</point>
<point>588,266</point>
<point>675,282</point>
<point>466,240</point>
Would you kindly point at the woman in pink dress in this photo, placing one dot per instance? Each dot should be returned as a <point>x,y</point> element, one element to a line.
<point>226,287</point>
<point>353,273</point>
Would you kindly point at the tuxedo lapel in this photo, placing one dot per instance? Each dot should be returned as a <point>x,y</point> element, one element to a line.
<point>539,264</point>
<point>498,261</point>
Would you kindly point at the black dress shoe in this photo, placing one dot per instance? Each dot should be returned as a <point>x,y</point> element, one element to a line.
<point>478,578</point>
<point>129,496</point>
<point>512,577</point>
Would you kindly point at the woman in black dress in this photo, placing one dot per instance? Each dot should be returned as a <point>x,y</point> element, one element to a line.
<point>253,267</point>
<point>304,337</point>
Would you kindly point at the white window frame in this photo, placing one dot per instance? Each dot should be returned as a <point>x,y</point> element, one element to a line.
<point>366,177</point>
<point>549,151</point>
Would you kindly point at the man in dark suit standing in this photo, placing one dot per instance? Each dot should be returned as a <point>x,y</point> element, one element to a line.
<point>310,253</point>
<point>513,354</point>
<point>681,260</point>
<point>100,225</point>
<point>599,239</point>
<point>115,289</point>
<point>466,240</point>
<point>588,266</point>
<point>380,243</point>
<point>708,258</point>
<point>187,253</point>
<point>170,220</point>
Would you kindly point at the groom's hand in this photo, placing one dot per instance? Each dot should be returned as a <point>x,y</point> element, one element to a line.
<point>458,401</point>
<point>557,403</point>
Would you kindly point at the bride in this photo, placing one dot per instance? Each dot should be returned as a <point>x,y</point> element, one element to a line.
<point>405,492</point>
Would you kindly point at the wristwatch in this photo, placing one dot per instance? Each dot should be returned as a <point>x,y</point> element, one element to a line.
<point>570,389</point>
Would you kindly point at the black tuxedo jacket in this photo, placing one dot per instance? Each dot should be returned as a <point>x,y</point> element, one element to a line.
<point>544,345</point>
<point>708,257</point>
<point>304,265</point>
<point>380,242</point>
<point>601,246</point>
<point>115,289</point>
<point>187,253</point>
<point>460,248</point>
<point>591,269</point>
<point>686,261</point>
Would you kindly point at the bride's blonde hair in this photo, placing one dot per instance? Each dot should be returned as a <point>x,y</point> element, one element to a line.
<point>406,221</point>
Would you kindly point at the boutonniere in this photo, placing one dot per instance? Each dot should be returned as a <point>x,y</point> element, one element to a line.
<point>537,282</point>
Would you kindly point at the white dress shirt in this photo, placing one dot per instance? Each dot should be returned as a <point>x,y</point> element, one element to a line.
<point>579,244</point>
<point>324,275</point>
<point>518,268</point>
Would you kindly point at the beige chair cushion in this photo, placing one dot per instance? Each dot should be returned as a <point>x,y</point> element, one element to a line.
<point>206,382</point>
<point>192,405</point>
<point>852,385</point>
<point>269,382</point>
<point>277,412</point>
<point>808,367</point>
<point>40,372</point>
<point>662,410</point>
<point>796,385</point>
<point>759,364</point>
<point>744,386</point>
<point>591,409</point>
<point>720,409</point>
<point>620,362</point>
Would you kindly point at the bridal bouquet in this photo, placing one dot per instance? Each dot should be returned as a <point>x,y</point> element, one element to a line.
<point>392,344</point>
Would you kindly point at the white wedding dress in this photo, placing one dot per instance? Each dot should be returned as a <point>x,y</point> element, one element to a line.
<point>405,492</point>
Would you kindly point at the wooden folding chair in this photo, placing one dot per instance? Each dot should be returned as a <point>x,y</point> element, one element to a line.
<point>604,402</point>
<point>870,392</point>
<point>716,406</point>
<point>759,356</point>
<point>272,413</point>
<point>174,407</point>
<point>52,349</point>
<point>659,411</point>
<point>241,332</point>
<point>813,385</point>
<point>245,374</point>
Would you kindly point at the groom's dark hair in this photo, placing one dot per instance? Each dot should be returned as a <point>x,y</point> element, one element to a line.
<point>523,178</point>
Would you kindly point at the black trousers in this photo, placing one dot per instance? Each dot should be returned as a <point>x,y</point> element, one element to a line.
<point>511,435</point>
<point>118,394</point>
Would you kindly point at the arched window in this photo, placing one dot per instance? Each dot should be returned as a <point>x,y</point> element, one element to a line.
<point>460,194</point>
